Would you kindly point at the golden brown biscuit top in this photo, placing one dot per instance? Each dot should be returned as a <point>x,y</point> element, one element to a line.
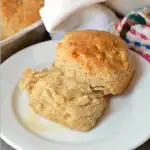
<point>95,50</point>
<point>18,14</point>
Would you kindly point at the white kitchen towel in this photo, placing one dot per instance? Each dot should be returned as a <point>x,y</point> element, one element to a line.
<point>55,12</point>
<point>61,16</point>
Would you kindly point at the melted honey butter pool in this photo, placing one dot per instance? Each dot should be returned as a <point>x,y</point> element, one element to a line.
<point>37,124</point>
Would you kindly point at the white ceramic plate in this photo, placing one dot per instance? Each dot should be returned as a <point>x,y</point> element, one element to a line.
<point>125,125</point>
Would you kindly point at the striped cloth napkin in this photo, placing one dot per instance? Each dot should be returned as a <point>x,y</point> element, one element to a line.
<point>134,28</point>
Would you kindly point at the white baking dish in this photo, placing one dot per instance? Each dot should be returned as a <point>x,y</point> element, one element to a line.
<point>28,36</point>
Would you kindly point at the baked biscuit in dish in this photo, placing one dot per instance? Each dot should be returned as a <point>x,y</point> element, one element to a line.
<point>63,99</point>
<point>18,14</point>
<point>100,57</point>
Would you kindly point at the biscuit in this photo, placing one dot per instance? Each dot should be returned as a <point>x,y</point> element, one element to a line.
<point>18,14</point>
<point>99,56</point>
<point>63,99</point>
